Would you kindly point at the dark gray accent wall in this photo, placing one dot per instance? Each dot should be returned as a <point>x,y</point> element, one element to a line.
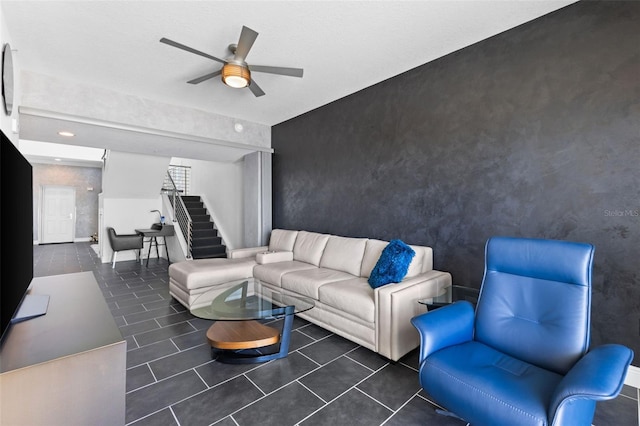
<point>534,132</point>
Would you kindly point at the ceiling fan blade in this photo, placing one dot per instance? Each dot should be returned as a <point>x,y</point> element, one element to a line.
<point>189,49</point>
<point>291,72</point>
<point>255,89</point>
<point>247,37</point>
<point>205,77</point>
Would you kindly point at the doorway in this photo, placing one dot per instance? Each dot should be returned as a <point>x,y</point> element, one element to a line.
<point>58,214</point>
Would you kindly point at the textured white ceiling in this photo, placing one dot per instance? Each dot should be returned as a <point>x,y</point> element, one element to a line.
<point>342,46</point>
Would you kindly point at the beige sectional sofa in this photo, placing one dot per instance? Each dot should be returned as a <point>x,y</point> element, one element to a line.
<point>333,271</point>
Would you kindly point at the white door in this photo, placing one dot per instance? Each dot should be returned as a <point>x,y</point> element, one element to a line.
<point>58,214</point>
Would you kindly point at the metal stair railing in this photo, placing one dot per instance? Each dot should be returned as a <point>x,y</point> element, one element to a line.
<point>181,176</point>
<point>180,213</point>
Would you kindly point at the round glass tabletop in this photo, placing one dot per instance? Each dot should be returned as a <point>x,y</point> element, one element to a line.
<point>247,299</point>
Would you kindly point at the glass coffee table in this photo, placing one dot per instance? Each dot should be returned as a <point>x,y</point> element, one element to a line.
<point>239,309</point>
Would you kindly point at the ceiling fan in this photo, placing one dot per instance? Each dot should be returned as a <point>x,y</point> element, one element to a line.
<point>235,71</point>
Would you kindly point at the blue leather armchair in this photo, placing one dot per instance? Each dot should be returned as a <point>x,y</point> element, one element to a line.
<point>522,358</point>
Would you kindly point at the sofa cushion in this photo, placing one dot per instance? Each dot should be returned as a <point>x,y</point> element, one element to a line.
<point>426,258</point>
<point>415,267</point>
<point>344,254</point>
<point>273,272</point>
<point>193,274</point>
<point>372,253</point>
<point>308,281</point>
<point>309,247</point>
<point>354,296</point>
<point>374,249</point>
<point>273,256</point>
<point>392,265</point>
<point>245,252</point>
<point>282,240</point>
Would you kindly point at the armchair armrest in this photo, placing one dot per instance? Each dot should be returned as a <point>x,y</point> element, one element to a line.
<point>246,252</point>
<point>597,376</point>
<point>446,326</point>
<point>396,304</point>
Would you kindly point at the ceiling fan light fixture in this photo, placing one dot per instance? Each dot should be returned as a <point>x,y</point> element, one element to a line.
<point>236,76</point>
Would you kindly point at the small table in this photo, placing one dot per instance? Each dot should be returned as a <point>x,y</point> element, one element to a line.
<point>454,293</point>
<point>238,336</point>
<point>153,234</point>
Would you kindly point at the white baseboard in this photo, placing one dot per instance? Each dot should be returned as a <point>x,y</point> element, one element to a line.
<point>633,377</point>
<point>75,240</point>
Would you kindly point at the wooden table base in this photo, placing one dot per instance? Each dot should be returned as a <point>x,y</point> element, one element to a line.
<point>237,335</point>
<point>249,341</point>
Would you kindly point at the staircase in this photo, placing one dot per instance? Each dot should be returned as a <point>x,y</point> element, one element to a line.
<point>205,242</point>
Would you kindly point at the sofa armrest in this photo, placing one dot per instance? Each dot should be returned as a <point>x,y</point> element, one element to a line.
<point>396,304</point>
<point>265,257</point>
<point>246,252</point>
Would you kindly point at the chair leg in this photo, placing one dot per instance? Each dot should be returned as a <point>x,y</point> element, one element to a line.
<point>155,239</point>
<point>448,414</point>
<point>113,258</point>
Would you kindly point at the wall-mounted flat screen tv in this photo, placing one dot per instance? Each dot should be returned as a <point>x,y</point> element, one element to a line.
<point>16,230</point>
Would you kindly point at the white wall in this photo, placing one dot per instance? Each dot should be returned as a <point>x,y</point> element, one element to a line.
<point>6,121</point>
<point>62,151</point>
<point>127,175</point>
<point>125,215</point>
<point>221,187</point>
<point>71,98</point>
<point>131,186</point>
<point>257,193</point>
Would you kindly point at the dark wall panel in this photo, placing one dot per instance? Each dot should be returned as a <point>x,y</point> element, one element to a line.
<point>534,132</point>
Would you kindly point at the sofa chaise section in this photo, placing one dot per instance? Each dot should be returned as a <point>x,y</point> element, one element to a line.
<point>189,279</point>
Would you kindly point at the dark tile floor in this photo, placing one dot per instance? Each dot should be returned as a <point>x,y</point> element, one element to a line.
<point>325,380</point>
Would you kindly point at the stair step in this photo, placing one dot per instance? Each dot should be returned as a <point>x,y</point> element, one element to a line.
<point>202,225</point>
<point>206,241</point>
<point>208,250</point>
<point>193,205</point>
<point>210,256</point>
<point>190,198</point>
<point>201,218</point>
<point>204,233</point>
<point>197,211</point>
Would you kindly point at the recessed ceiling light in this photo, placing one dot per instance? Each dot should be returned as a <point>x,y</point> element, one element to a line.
<point>66,134</point>
<point>57,159</point>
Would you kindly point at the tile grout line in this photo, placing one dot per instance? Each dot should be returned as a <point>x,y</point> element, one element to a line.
<point>373,399</point>
<point>394,412</point>
<point>254,383</point>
